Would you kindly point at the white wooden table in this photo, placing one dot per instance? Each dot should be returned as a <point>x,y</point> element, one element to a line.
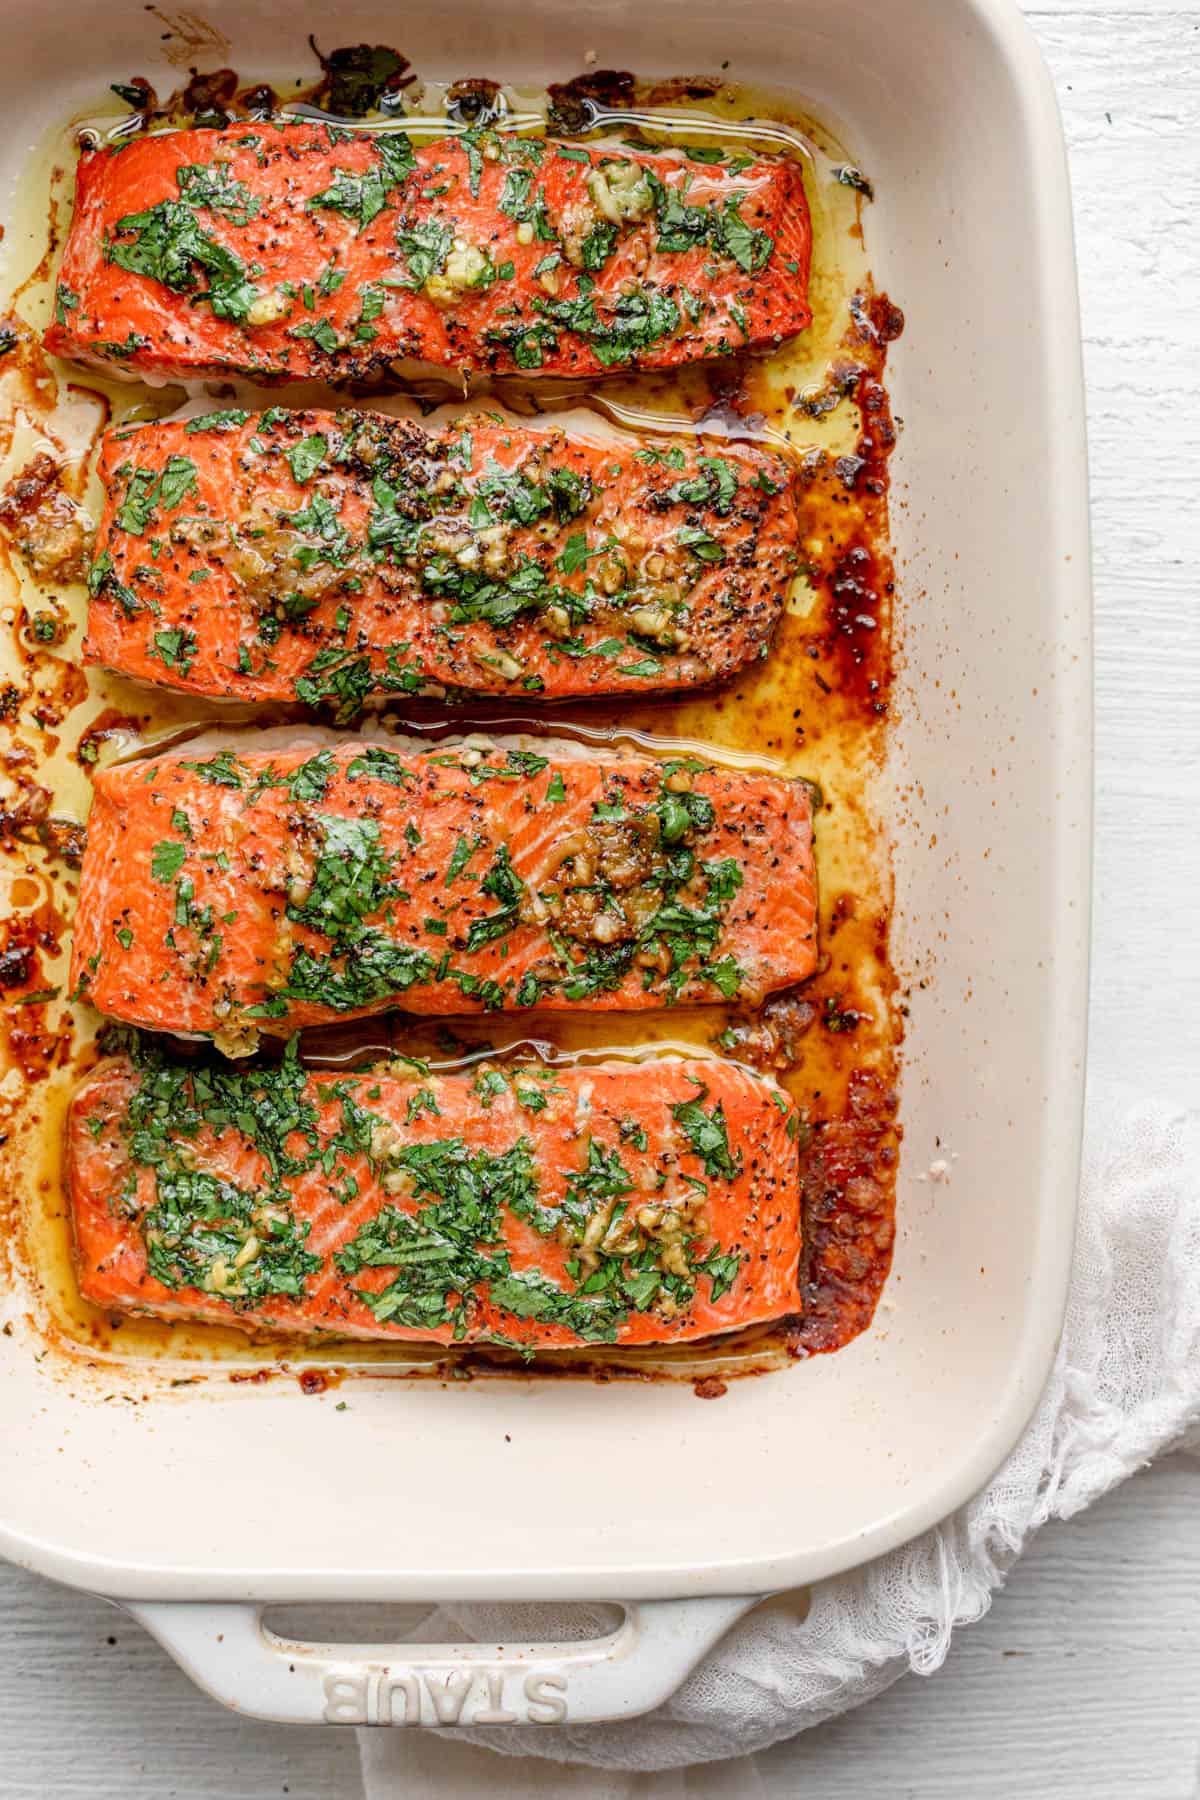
<point>1084,1680</point>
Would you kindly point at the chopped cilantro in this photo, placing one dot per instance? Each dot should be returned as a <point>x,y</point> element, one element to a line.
<point>306,457</point>
<point>221,770</point>
<point>464,850</point>
<point>377,764</point>
<point>362,78</point>
<point>166,244</point>
<point>318,331</point>
<point>148,489</point>
<point>501,883</point>
<point>708,1135</point>
<point>227,420</point>
<point>166,860</point>
<point>175,649</point>
<point>632,323</point>
<point>425,247</point>
<point>211,186</point>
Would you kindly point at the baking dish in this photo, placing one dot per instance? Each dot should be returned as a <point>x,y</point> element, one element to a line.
<point>201,1507</point>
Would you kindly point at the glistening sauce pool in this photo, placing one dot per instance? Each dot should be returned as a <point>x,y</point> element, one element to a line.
<point>818,707</point>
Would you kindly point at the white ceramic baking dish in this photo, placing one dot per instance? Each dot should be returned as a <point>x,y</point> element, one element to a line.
<point>201,1505</point>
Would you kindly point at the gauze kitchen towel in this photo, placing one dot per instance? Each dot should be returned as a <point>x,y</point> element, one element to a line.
<point>1125,1388</point>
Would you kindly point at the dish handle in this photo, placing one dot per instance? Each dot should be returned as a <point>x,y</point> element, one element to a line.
<point>230,1652</point>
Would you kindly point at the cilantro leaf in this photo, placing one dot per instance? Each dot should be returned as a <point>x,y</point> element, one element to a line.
<point>708,1135</point>
<point>166,860</point>
<point>307,456</point>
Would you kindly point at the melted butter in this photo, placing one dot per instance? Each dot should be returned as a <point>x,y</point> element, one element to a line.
<point>785,710</point>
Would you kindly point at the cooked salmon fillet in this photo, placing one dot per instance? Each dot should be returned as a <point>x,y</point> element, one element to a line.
<point>540,1206</point>
<point>224,893</point>
<point>290,251</point>
<point>329,557</point>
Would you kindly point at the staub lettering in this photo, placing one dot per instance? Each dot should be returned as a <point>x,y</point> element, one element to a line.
<point>488,1694</point>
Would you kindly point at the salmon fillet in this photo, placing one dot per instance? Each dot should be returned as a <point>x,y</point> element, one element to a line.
<point>542,1207</point>
<point>224,893</point>
<point>328,557</point>
<point>290,251</point>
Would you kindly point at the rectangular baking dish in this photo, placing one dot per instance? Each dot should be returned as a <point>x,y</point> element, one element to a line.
<point>203,1504</point>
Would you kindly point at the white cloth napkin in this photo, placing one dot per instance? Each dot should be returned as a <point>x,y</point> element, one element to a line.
<point>1125,1388</point>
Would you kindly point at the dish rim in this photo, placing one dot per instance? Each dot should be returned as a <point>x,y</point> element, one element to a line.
<point>1051,233</point>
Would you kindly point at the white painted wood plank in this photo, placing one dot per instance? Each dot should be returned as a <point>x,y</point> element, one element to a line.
<point>1084,14</point>
<point>89,1704</point>
<point>1081,1684</point>
<point>1129,83</point>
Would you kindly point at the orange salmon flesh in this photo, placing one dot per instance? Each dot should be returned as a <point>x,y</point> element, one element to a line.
<point>332,557</point>
<point>536,1206</point>
<point>296,251</point>
<point>224,893</point>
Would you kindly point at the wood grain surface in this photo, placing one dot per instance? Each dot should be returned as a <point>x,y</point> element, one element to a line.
<point>1084,1680</point>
